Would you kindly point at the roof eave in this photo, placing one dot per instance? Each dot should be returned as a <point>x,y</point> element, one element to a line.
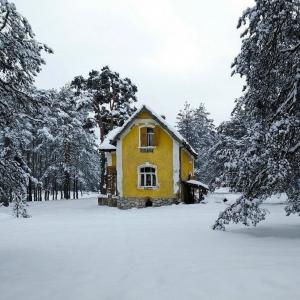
<point>145,108</point>
<point>106,150</point>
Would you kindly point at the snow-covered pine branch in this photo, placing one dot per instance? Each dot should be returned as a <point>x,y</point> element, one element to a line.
<point>271,108</point>
<point>113,100</point>
<point>20,61</point>
<point>198,129</point>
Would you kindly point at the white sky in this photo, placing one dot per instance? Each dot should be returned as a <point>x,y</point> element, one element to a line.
<point>173,50</point>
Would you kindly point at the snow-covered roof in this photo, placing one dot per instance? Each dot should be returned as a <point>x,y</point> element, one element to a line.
<point>172,130</point>
<point>197,183</point>
<point>115,133</point>
<point>106,144</point>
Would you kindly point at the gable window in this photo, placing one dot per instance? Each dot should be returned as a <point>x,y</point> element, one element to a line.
<point>147,137</point>
<point>147,177</point>
<point>150,137</point>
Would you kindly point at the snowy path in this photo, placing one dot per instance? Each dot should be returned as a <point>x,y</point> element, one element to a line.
<point>76,250</point>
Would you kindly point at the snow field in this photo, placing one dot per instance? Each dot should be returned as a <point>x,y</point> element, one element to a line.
<point>74,249</point>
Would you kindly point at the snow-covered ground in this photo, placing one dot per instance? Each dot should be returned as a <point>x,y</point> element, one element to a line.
<point>74,249</point>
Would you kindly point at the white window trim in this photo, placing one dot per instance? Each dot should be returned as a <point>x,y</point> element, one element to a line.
<point>147,147</point>
<point>143,126</point>
<point>147,165</point>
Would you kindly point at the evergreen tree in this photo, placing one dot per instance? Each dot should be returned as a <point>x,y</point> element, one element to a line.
<point>20,61</point>
<point>198,129</point>
<point>113,101</point>
<point>229,143</point>
<point>113,97</point>
<point>185,124</point>
<point>67,145</point>
<point>269,61</point>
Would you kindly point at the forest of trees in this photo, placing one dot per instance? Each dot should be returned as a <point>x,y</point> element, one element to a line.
<point>257,152</point>
<point>47,137</point>
<point>265,155</point>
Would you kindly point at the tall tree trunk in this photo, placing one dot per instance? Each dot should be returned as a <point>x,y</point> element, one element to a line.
<point>76,189</point>
<point>41,196</point>
<point>74,183</point>
<point>67,179</point>
<point>55,189</point>
<point>29,189</point>
<point>67,185</point>
<point>102,157</point>
<point>34,193</point>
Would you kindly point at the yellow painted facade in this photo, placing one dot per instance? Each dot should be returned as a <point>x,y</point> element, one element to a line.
<point>113,159</point>
<point>161,157</point>
<point>187,165</point>
<point>131,153</point>
<point>144,115</point>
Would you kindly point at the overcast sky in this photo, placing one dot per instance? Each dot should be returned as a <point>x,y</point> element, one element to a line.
<point>173,50</point>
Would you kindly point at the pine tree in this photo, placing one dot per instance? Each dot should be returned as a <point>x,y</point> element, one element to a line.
<point>198,129</point>
<point>67,144</point>
<point>113,101</point>
<point>113,97</point>
<point>20,61</point>
<point>228,144</point>
<point>185,124</point>
<point>269,61</point>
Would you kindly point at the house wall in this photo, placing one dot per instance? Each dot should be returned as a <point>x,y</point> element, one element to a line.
<point>144,115</point>
<point>113,159</point>
<point>187,165</point>
<point>162,157</point>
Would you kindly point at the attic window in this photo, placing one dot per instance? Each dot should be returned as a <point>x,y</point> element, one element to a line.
<point>147,137</point>
<point>150,137</point>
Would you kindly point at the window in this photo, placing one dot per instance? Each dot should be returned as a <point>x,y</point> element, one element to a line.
<point>147,137</point>
<point>150,137</point>
<point>147,177</point>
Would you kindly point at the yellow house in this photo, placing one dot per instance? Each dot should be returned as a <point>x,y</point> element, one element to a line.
<point>148,163</point>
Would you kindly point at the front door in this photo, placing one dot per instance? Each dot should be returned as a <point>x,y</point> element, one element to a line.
<point>187,193</point>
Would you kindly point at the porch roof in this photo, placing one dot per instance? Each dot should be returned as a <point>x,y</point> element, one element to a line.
<point>197,184</point>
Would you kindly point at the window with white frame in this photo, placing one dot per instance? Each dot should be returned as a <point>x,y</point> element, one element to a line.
<point>147,176</point>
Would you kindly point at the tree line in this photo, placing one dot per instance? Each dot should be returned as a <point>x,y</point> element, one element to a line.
<point>47,137</point>
<point>257,152</point>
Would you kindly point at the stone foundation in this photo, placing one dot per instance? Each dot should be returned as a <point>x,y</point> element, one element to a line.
<point>127,203</point>
<point>107,201</point>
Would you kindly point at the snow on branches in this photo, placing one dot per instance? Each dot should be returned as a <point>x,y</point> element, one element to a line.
<point>113,101</point>
<point>270,160</point>
<point>20,61</point>
<point>198,129</point>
